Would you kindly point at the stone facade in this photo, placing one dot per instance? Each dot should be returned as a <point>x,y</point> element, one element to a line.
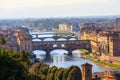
<point>102,40</point>
<point>11,42</point>
<point>114,45</point>
<point>24,41</point>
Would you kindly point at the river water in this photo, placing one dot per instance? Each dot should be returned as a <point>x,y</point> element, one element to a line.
<point>60,58</point>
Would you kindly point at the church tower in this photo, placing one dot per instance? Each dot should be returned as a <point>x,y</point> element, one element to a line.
<point>86,71</point>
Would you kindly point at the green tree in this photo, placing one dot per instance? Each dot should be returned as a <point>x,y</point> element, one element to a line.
<point>43,71</point>
<point>59,74</point>
<point>74,73</point>
<point>65,74</point>
<point>2,40</point>
<point>51,73</point>
<point>11,67</point>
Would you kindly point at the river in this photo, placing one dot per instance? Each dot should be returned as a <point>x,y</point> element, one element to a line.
<point>65,61</point>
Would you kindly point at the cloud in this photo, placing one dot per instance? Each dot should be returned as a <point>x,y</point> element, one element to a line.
<point>8,4</point>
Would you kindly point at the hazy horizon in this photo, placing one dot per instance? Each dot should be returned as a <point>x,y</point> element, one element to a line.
<point>57,8</point>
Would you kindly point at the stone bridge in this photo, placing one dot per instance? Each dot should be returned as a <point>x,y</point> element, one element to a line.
<point>55,37</point>
<point>48,46</point>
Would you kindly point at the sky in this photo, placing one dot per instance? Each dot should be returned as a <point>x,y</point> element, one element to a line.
<point>57,8</point>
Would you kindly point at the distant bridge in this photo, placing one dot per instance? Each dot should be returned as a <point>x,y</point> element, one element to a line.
<point>53,36</point>
<point>48,46</point>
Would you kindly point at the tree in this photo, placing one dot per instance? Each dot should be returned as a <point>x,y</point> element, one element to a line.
<point>74,74</point>
<point>51,73</point>
<point>2,40</point>
<point>43,71</point>
<point>65,74</point>
<point>11,67</point>
<point>59,74</point>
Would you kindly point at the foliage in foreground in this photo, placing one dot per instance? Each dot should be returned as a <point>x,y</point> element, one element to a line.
<point>12,65</point>
<point>15,66</point>
<point>53,73</point>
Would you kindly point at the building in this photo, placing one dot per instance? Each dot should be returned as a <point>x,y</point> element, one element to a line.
<point>90,25</point>
<point>109,43</point>
<point>11,42</point>
<point>111,75</point>
<point>86,71</point>
<point>114,41</point>
<point>117,23</point>
<point>24,41</point>
<point>91,33</point>
<point>62,27</point>
<point>65,27</point>
<point>103,40</point>
<point>107,75</point>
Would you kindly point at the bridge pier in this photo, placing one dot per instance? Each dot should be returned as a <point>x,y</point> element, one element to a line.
<point>48,57</point>
<point>68,45</point>
<point>70,52</point>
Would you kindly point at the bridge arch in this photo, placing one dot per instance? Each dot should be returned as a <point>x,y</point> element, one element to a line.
<point>40,54</point>
<point>48,46</point>
<point>62,45</point>
<point>72,39</point>
<point>49,39</point>
<point>76,53</point>
<point>59,52</point>
<point>37,40</point>
<point>61,39</point>
<point>55,45</point>
<point>59,45</point>
<point>34,36</point>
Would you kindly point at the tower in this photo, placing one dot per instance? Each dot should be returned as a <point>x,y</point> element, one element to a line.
<point>86,71</point>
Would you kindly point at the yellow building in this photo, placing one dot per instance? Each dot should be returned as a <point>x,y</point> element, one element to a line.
<point>62,27</point>
<point>24,41</point>
<point>109,43</point>
<point>94,37</point>
<point>65,27</point>
<point>114,44</point>
<point>106,42</point>
<point>85,36</point>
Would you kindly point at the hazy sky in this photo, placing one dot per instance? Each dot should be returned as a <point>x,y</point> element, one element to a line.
<point>57,8</point>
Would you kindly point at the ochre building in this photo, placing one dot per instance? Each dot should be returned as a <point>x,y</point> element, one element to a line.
<point>24,41</point>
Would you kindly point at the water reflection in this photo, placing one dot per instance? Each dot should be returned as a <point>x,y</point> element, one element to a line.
<point>40,54</point>
<point>59,52</point>
<point>67,61</point>
<point>76,53</point>
<point>64,61</point>
<point>58,60</point>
